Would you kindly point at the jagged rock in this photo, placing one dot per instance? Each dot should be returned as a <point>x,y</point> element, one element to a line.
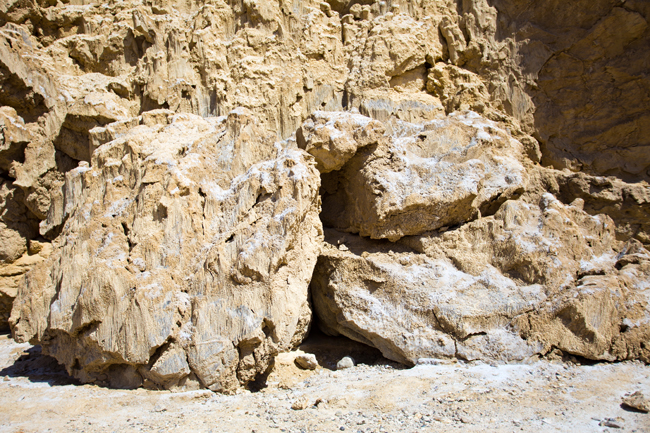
<point>388,59</point>
<point>424,177</point>
<point>18,250</point>
<point>455,40</point>
<point>185,255</point>
<point>628,204</point>
<point>14,137</point>
<point>637,401</point>
<point>11,275</point>
<point>97,88</point>
<point>457,88</point>
<point>530,278</point>
<point>333,138</point>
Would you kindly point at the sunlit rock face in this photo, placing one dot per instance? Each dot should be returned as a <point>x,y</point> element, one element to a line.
<point>167,168</point>
<point>185,253</point>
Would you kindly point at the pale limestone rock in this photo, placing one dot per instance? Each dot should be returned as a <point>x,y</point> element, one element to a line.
<point>562,83</point>
<point>307,361</point>
<point>455,40</point>
<point>18,252</point>
<point>333,138</point>
<point>185,255</point>
<point>411,306</point>
<point>457,88</point>
<point>424,177</point>
<point>530,278</point>
<point>345,362</point>
<point>637,401</point>
<point>11,275</point>
<point>14,137</point>
<point>388,59</point>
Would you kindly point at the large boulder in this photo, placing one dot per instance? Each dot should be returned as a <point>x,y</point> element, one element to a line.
<point>534,277</point>
<point>423,177</point>
<point>184,258</point>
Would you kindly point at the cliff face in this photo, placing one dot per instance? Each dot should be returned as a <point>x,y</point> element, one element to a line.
<point>480,168</point>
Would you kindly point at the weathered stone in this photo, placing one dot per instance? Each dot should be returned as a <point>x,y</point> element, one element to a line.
<point>91,126</point>
<point>345,362</point>
<point>14,137</point>
<point>424,177</point>
<point>457,88</point>
<point>333,138</point>
<point>528,279</point>
<point>637,401</point>
<point>307,361</point>
<point>186,249</point>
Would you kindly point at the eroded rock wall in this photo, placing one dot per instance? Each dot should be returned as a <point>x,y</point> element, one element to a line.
<point>442,129</point>
<point>480,261</point>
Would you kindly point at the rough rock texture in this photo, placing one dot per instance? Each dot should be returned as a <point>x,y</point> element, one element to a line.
<point>436,126</point>
<point>637,401</point>
<point>185,256</point>
<point>423,177</point>
<point>531,278</point>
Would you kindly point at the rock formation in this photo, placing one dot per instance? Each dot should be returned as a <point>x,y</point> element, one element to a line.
<point>185,253</point>
<point>482,167</point>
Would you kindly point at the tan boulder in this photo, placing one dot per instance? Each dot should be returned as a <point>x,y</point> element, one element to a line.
<point>334,137</point>
<point>531,278</point>
<point>184,258</point>
<point>424,177</point>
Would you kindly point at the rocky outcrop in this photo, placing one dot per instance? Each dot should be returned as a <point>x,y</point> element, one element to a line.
<point>184,258</point>
<point>532,278</point>
<point>519,274</point>
<point>436,174</point>
<point>153,231</point>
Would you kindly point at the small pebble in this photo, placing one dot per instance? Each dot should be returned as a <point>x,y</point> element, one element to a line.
<point>306,361</point>
<point>635,401</point>
<point>612,422</point>
<point>345,362</point>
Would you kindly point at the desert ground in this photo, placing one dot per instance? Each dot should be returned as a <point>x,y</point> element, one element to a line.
<point>376,395</point>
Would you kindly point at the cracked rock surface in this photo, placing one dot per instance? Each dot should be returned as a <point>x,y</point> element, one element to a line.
<point>185,253</point>
<point>443,179</point>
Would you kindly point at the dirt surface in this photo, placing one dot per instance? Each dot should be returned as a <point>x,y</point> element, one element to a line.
<point>375,395</point>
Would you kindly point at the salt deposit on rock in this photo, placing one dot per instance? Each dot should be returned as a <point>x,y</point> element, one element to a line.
<point>533,277</point>
<point>423,177</point>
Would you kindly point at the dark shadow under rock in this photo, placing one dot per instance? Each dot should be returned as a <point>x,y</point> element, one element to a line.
<point>37,367</point>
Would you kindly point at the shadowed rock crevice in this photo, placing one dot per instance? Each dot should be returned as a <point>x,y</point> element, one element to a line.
<point>13,93</point>
<point>39,368</point>
<point>74,138</point>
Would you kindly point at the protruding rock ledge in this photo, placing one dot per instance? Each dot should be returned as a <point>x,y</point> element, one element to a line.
<point>417,178</point>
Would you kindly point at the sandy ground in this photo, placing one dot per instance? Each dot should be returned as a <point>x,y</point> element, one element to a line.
<point>374,396</point>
